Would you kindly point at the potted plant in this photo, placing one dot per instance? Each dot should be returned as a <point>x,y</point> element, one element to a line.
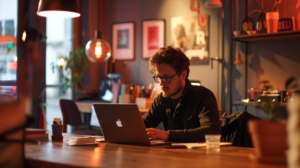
<point>269,137</point>
<point>72,70</point>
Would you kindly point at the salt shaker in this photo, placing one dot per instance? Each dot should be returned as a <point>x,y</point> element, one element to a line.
<point>57,128</point>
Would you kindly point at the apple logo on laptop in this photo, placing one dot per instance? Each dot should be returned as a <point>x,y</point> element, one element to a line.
<point>119,123</point>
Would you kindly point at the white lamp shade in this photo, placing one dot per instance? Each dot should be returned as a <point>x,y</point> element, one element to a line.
<point>213,4</point>
<point>58,8</point>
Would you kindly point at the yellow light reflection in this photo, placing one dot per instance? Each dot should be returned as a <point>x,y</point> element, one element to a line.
<point>97,156</point>
<point>24,36</point>
<point>60,61</point>
<point>15,59</point>
<point>98,50</point>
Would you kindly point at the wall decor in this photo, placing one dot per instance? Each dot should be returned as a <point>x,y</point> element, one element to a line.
<point>285,23</point>
<point>123,41</point>
<point>191,38</point>
<point>261,24</point>
<point>153,36</point>
<point>247,24</point>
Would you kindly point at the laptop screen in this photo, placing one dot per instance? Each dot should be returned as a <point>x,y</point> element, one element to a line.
<point>94,120</point>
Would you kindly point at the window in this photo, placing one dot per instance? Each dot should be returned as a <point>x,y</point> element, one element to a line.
<point>2,67</point>
<point>0,27</point>
<point>8,52</point>
<point>9,27</point>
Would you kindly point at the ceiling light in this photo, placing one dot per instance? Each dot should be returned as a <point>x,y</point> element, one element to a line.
<point>58,8</point>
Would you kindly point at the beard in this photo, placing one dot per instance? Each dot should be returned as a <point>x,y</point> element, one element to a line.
<point>177,90</point>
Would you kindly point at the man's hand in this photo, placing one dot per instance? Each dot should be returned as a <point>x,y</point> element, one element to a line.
<point>154,133</point>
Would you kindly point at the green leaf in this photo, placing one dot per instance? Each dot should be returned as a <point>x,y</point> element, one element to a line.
<point>271,106</point>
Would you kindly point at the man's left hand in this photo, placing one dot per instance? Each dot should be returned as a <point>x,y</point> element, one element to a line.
<point>154,133</point>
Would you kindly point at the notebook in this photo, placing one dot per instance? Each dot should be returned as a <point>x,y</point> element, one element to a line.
<point>122,123</point>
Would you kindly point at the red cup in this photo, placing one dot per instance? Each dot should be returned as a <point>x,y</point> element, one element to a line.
<point>298,22</point>
<point>272,22</point>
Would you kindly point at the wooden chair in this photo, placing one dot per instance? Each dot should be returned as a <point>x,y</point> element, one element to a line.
<point>71,115</point>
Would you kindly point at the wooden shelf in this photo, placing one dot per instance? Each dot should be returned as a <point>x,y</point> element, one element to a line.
<point>267,36</point>
<point>251,103</point>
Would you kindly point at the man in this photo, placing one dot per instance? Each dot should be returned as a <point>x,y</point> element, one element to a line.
<point>187,112</point>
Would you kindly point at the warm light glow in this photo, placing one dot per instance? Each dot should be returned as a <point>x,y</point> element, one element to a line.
<point>98,50</point>
<point>60,61</point>
<point>245,100</point>
<point>24,36</point>
<point>196,84</point>
<point>15,59</point>
<point>61,14</point>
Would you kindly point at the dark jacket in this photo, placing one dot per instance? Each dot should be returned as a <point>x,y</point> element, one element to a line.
<point>235,128</point>
<point>195,115</point>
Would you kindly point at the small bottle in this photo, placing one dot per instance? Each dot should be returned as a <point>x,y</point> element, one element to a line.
<point>57,128</point>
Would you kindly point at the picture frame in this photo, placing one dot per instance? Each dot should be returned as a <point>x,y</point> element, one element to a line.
<point>192,38</point>
<point>123,40</point>
<point>154,36</point>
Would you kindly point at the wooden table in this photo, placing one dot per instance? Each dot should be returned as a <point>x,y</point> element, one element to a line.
<point>58,154</point>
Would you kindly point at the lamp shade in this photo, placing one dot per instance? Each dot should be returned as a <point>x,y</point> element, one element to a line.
<point>98,50</point>
<point>213,4</point>
<point>58,8</point>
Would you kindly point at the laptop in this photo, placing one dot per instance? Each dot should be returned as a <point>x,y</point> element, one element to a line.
<point>122,123</point>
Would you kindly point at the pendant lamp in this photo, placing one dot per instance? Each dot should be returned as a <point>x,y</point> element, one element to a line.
<point>213,4</point>
<point>98,50</point>
<point>58,8</point>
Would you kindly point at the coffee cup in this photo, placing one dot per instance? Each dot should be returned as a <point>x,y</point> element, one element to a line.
<point>298,22</point>
<point>272,22</point>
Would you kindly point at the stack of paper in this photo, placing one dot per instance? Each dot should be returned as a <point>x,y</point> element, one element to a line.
<point>196,145</point>
<point>90,140</point>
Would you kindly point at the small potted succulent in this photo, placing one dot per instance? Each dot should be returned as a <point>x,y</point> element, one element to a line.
<point>269,137</point>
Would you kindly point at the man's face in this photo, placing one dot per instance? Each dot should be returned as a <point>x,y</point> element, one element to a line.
<point>175,87</point>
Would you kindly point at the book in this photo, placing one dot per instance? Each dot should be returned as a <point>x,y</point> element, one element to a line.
<point>125,93</point>
<point>37,137</point>
<point>36,134</point>
<point>90,140</point>
<point>35,131</point>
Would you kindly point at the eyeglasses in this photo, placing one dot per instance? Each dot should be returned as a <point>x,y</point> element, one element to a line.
<point>166,80</point>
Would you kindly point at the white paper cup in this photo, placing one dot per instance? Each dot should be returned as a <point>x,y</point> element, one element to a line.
<point>272,21</point>
<point>213,142</point>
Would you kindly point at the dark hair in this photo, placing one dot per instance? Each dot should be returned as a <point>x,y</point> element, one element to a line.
<point>172,56</point>
<point>289,81</point>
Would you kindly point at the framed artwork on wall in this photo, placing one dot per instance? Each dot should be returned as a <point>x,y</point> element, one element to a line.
<point>153,36</point>
<point>191,38</point>
<point>123,41</point>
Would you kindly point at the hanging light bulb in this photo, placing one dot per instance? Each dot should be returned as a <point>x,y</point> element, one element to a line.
<point>58,8</point>
<point>213,4</point>
<point>98,50</point>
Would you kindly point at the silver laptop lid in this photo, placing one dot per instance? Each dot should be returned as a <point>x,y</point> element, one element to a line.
<point>121,123</point>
